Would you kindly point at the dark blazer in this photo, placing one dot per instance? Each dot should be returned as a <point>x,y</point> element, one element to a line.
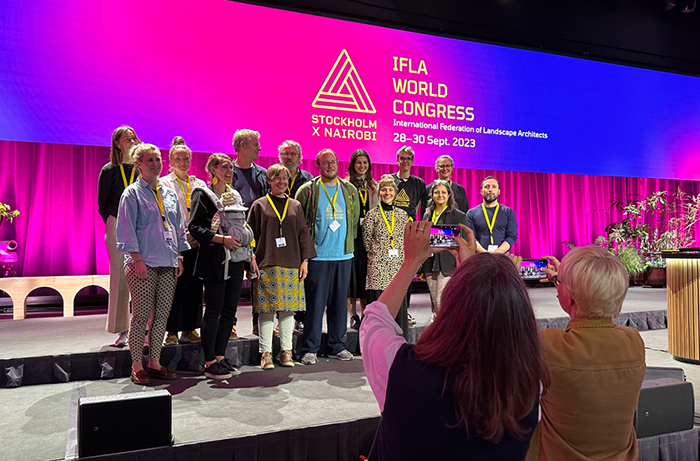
<point>210,255</point>
<point>443,262</point>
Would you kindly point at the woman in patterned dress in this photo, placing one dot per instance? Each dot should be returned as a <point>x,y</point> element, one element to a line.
<point>360,176</point>
<point>283,246</point>
<point>382,230</point>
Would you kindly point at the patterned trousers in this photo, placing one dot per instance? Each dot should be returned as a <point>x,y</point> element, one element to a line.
<point>151,297</point>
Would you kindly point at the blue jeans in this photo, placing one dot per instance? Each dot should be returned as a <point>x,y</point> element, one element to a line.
<point>326,285</point>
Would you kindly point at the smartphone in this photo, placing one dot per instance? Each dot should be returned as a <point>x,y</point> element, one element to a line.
<point>444,236</point>
<point>531,269</point>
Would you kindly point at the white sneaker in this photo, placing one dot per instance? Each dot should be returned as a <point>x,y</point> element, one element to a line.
<point>122,340</point>
<point>309,359</point>
<point>343,355</point>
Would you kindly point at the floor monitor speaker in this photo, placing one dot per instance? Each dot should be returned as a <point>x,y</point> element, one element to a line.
<point>665,405</point>
<point>124,422</point>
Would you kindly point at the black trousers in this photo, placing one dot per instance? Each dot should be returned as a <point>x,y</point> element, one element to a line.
<point>220,313</point>
<point>401,317</point>
<point>186,313</point>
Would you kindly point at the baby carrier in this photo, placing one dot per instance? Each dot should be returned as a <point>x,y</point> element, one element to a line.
<point>230,219</point>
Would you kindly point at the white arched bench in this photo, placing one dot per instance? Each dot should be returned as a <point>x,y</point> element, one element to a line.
<point>18,288</point>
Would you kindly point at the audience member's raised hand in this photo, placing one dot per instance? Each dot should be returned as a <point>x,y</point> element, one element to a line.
<point>466,246</point>
<point>416,243</point>
<point>516,260</point>
<point>552,268</point>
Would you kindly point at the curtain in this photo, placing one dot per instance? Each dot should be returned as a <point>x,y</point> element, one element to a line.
<point>59,232</point>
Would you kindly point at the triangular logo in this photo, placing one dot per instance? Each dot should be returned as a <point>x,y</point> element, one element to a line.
<point>343,89</point>
<point>402,199</point>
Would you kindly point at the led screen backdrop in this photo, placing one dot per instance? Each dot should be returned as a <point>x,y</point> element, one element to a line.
<point>71,71</point>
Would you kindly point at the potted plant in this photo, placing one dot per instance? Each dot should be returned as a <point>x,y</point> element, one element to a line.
<point>655,273</point>
<point>6,213</point>
<point>660,221</point>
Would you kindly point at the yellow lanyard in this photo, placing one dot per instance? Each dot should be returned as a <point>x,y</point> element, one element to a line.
<point>187,193</point>
<point>131,180</point>
<point>291,186</point>
<point>388,227</point>
<point>329,197</point>
<point>284,213</point>
<point>159,199</point>
<point>493,222</point>
<point>363,198</point>
<point>436,217</point>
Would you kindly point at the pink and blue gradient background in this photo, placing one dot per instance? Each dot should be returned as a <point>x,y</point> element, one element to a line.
<point>72,71</point>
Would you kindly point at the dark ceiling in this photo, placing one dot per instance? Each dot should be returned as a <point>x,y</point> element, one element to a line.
<point>632,32</point>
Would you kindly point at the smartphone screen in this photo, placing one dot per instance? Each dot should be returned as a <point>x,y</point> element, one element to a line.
<point>532,269</point>
<point>443,236</point>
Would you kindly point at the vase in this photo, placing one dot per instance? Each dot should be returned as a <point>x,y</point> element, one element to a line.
<point>655,277</point>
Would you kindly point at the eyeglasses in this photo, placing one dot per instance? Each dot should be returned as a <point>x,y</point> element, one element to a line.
<point>554,279</point>
<point>444,167</point>
<point>405,159</point>
<point>327,164</point>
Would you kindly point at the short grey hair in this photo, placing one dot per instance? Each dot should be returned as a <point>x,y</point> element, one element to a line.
<point>443,157</point>
<point>596,280</point>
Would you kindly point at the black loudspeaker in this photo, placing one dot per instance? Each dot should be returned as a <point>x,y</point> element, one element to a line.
<point>125,422</point>
<point>665,405</point>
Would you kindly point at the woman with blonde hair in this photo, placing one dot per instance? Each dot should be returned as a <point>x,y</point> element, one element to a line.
<point>382,230</point>
<point>151,230</point>
<point>283,247</point>
<point>186,313</point>
<point>218,223</point>
<point>115,176</point>
<point>597,367</point>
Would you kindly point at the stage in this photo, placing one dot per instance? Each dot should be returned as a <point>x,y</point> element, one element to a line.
<point>38,421</point>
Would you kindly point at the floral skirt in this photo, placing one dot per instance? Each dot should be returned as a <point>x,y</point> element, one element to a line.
<point>278,289</point>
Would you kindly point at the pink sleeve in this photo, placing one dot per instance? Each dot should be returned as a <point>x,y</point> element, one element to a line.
<point>380,339</point>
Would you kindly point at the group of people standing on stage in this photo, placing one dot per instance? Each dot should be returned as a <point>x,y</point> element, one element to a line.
<point>480,373</point>
<point>309,243</point>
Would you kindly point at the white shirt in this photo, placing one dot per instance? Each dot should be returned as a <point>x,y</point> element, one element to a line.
<point>380,340</point>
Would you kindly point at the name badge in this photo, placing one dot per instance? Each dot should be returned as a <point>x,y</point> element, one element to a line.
<point>393,253</point>
<point>492,248</point>
<point>335,225</point>
<point>168,235</point>
<point>281,242</point>
<point>361,220</point>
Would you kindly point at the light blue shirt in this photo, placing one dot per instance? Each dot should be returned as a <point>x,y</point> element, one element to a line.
<point>330,246</point>
<point>140,225</point>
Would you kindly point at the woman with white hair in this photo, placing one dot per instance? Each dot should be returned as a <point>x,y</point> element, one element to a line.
<point>596,367</point>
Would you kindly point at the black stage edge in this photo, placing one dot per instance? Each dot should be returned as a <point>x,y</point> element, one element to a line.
<point>344,441</point>
<point>116,363</point>
<point>641,321</point>
<point>347,441</point>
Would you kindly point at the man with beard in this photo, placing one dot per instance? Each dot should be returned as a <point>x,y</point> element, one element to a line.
<point>332,209</point>
<point>290,157</point>
<point>494,225</point>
